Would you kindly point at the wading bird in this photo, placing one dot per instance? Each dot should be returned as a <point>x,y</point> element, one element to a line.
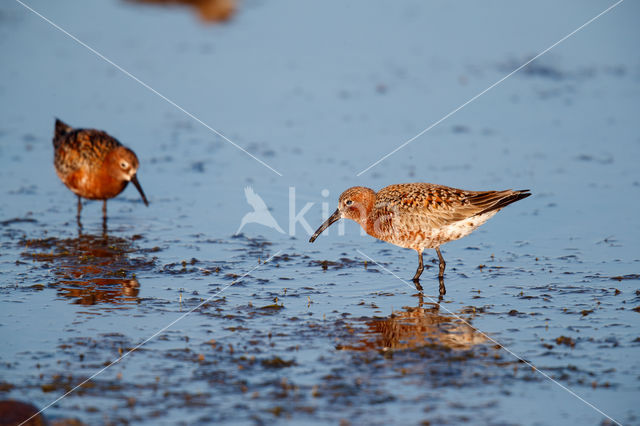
<point>93,164</point>
<point>420,215</point>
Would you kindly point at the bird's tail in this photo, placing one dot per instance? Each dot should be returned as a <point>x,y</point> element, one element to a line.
<point>61,129</point>
<point>495,200</point>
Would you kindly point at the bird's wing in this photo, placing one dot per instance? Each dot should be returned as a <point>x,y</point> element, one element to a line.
<point>422,205</point>
<point>254,199</point>
<point>83,148</point>
<point>495,200</point>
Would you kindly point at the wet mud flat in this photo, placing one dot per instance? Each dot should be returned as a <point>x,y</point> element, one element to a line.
<point>285,332</point>
<point>306,340</point>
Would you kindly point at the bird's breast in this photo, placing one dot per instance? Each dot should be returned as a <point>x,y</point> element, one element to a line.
<point>94,185</point>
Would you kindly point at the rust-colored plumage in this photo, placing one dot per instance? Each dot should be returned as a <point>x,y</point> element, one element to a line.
<point>420,215</point>
<point>93,164</point>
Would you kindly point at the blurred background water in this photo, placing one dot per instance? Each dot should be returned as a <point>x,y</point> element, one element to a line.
<point>319,92</point>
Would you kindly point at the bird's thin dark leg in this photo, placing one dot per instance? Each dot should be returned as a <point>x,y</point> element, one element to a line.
<point>104,217</point>
<point>443,264</point>
<point>416,277</point>
<point>78,217</point>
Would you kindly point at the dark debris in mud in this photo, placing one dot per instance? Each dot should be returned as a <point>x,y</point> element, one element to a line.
<point>564,340</point>
<point>17,220</point>
<point>626,277</point>
<point>343,262</point>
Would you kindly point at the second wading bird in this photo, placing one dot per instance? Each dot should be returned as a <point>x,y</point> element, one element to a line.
<point>93,164</point>
<point>420,215</point>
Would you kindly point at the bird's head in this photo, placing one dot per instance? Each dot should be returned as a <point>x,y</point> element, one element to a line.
<point>355,203</point>
<point>124,166</point>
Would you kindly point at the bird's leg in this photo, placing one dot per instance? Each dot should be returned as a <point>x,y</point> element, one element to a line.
<point>79,207</point>
<point>416,277</point>
<point>104,217</point>
<point>443,264</point>
<point>78,217</point>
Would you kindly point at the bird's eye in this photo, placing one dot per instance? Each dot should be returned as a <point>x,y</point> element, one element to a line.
<point>349,202</point>
<point>123,164</point>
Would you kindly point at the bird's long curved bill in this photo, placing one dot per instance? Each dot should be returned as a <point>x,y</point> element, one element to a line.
<point>333,218</point>
<point>134,179</point>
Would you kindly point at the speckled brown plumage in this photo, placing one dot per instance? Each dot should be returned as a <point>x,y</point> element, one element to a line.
<point>78,149</point>
<point>420,215</point>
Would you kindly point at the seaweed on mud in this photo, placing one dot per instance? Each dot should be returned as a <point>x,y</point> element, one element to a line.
<point>277,362</point>
<point>343,262</point>
<point>626,277</point>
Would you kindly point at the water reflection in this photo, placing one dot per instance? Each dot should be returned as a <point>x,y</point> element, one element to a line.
<point>90,269</point>
<point>424,325</point>
<point>208,10</point>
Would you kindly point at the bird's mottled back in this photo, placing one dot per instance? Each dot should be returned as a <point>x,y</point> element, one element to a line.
<point>442,205</point>
<point>78,148</point>
<point>421,196</point>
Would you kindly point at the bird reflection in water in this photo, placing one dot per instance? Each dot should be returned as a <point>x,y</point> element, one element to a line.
<point>209,10</point>
<point>424,325</point>
<point>91,269</point>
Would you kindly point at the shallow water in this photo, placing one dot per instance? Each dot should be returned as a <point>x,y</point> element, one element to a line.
<point>319,333</point>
